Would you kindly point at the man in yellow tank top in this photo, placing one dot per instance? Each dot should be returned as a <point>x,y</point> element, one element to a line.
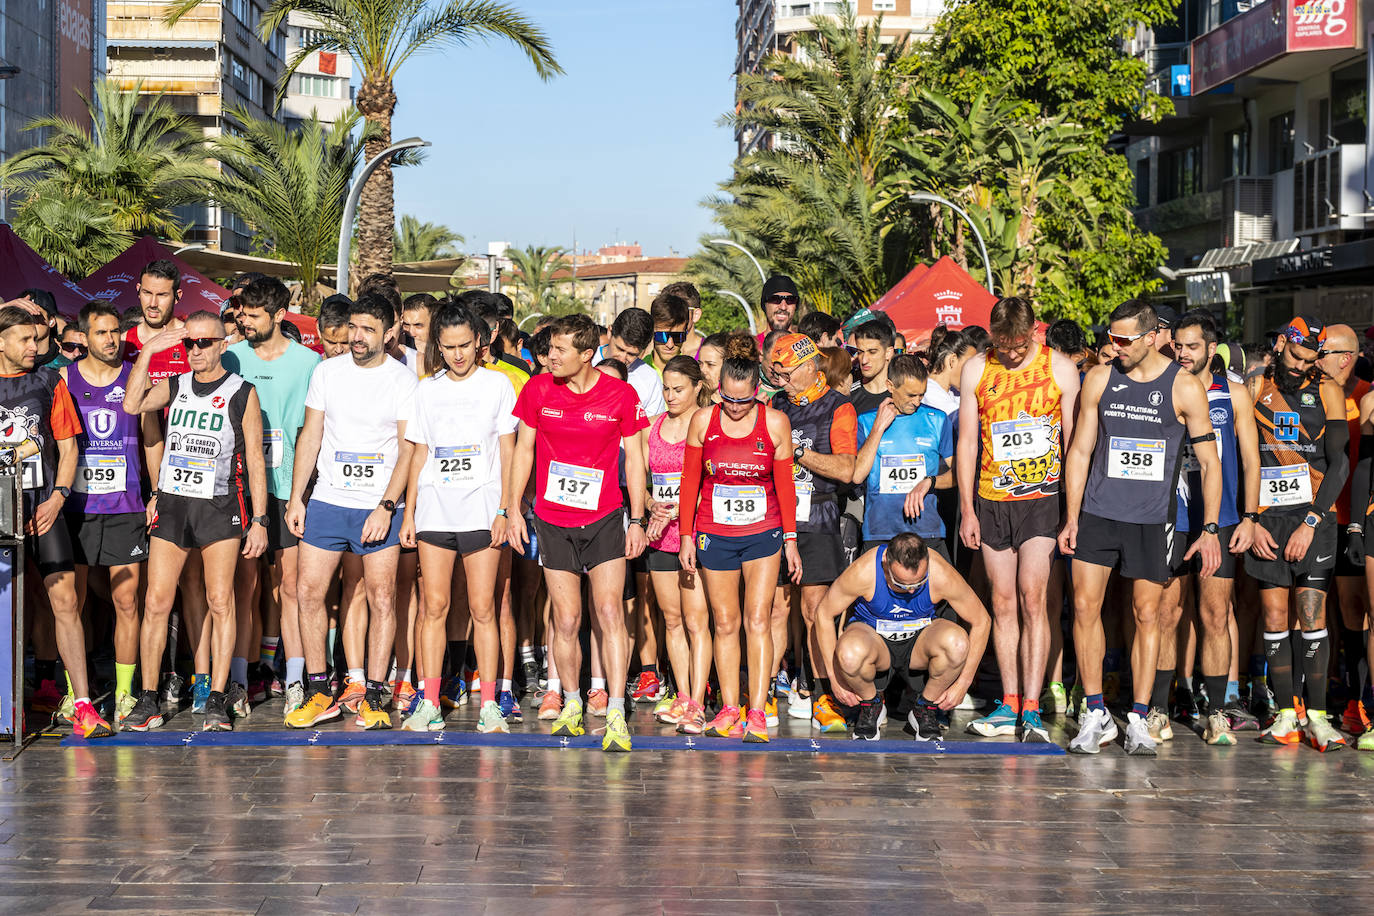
<point>1016,416</point>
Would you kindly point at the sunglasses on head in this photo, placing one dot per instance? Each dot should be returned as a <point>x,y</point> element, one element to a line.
<point>781,299</point>
<point>201,343</point>
<point>745,400</point>
<point>663,337</point>
<point>1120,340</point>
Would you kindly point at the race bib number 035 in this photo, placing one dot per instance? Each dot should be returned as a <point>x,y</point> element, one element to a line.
<point>738,505</point>
<point>1288,485</point>
<point>573,486</point>
<point>1135,459</point>
<point>360,473</point>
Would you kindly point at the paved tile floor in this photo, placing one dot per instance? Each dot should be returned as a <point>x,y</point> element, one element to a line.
<point>413,830</point>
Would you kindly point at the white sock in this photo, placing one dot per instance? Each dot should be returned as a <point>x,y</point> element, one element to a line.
<point>356,675</point>
<point>503,685</point>
<point>598,683</point>
<point>555,685</point>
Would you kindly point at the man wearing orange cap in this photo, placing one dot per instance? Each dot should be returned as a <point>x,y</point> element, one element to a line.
<point>825,448</point>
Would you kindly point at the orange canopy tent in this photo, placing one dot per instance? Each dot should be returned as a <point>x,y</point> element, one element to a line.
<point>929,296</point>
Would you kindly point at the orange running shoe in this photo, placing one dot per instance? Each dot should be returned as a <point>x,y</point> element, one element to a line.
<point>597,702</point>
<point>728,723</point>
<point>693,721</point>
<point>402,694</point>
<point>673,714</point>
<point>551,707</point>
<point>352,695</point>
<point>87,722</point>
<point>1355,720</point>
<point>755,727</point>
<point>770,712</point>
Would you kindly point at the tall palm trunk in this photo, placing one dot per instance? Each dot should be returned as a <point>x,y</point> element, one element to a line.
<point>376,210</point>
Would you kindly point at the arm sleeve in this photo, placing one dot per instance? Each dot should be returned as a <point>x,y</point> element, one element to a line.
<point>786,486</point>
<point>65,423</point>
<point>843,432</point>
<point>689,491</point>
<point>1360,480</point>
<point>1337,465</point>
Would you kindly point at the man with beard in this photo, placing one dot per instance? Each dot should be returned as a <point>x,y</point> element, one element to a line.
<point>279,370</point>
<point>1303,466</point>
<point>780,302</point>
<point>159,291</point>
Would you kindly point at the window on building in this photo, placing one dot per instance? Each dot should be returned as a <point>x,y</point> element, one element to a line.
<point>310,36</point>
<point>884,6</point>
<point>1349,103</point>
<point>241,9</point>
<point>236,70</point>
<point>1281,135</point>
<point>1236,149</point>
<point>321,87</point>
<point>1142,182</point>
<point>799,9</point>
<point>837,7</point>
<point>1180,173</point>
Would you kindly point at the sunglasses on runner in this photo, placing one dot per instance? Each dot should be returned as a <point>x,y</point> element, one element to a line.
<point>781,299</point>
<point>1120,340</point>
<point>72,347</point>
<point>663,337</point>
<point>906,588</point>
<point>201,343</point>
<point>729,400</point>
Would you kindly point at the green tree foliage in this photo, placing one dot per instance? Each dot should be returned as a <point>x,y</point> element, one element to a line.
<point>417,241</point>
<point>535,266</point>
<point>290,186</point>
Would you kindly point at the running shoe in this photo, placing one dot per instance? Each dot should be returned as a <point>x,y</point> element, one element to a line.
<point>200,693</point>
<point>1218,731</point>
<point>1186,707</point>
<point>667,702</point>
<point>1262,703</point>
<point>648,688</point>
<point>675,711</point>
<point>217,713</point>
<point>1239,718</point>
<point>1300,707</point>
<point>87,722</point>
<point>173,685</point>
<point>825,718</point>
<point>319,707</point>
<point>866,723</point>
<point>1320,734</point>
<point>1033,730</point>
<point>782,684</point>
<point>1054,699</point>
<point>146,713</point>
<point>372,714</point>
<point>529,677</point>
<point>1001,721</point>
<point>616,738</point>
<point>969,702</point>
<point>259,687</point>
<point>1078,702</point>
<point>755,727</point>
<point>66,710</point>
<point>1355,720</point>
<point>798,706</point>
<point>597,700</point>
<point>295,698</point>
<point>46,699</point>
<point>425,718</point>
<point>770,712</point>
<point>693,720</point>
<point>236,700</point>
<point>490,721</point>
<point>569,722</point>
<point>123,705</point>
<point>402,697</point>
<point>1283,730</point>
<point>1157,723</point>
<point>728,723</point>
<point>510,707</point>
<point>353,694</point>
<point>454,693</point>
<point>924,721</point>
<point>1095,729</point>
<point>1366,741</point>
<point>550,706</point>
<point>1138,740</point>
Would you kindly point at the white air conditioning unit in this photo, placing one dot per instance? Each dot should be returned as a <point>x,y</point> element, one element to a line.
<point>1329,190</point>
<point>1247,208</point>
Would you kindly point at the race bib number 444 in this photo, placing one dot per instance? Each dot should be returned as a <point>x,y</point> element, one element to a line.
<point>1135,459</point>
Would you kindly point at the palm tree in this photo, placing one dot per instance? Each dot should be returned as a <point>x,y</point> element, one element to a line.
<point>76,235</point>
<point>380,36</point>
<point>417,241</point>
<point>136,162</point>
<point>535,266</point>
<point>290,186</point>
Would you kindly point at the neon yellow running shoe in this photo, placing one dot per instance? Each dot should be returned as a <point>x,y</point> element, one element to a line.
<point>617,734</point>
<point>569,721</point>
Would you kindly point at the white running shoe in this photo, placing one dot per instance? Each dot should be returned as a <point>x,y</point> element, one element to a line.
<point>1138,740</point>
<point>1095,729</point>
<point>798,706</point>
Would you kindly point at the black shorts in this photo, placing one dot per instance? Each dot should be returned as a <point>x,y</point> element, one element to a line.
<point>51,551</point>
<point>109,540</point>
<point>937,545</point>
<point>822,557</point>
<point>191,523</point>
<point>279,536</point>
<point>900,651</point>
<point>463,542</point>
<point>579,549</point>
<point>1184,540</point>
<point>1344,568</point>
<point>1008,525</point>
<point>1136,551</point>
<point>1313,571</point>
<point>661,561</point>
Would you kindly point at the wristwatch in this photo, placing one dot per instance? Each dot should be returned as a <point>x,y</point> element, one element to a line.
<point>1211,528</point>
<point>641,521</point>
<point>258,520</point>
<point>501,513</point>
<point>1312,520</point>
<point>387,504</point>
<point>65,491</point>
<point>798,452</point>
<point>1251,516</point>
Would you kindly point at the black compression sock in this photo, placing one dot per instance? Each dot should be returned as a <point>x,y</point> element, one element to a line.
<point>1316,661</point>
<point>1216,690</point>
<point>822,685</point>
<point>1159,695</point>
<point>318,683</point>
<point>1278,657</point>
<point>457,653</point>
<point>1352,654</point>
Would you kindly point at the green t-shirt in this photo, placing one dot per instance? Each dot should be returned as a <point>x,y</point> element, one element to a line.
<point>281,384</point>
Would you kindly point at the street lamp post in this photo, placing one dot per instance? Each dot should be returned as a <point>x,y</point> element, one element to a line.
<point>748,313</point>
<point>351,207</point>
<point>982,246</point>
<point>763,278</point>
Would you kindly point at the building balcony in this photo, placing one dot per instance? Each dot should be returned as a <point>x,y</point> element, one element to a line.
<point>1272,42</point>
<point>1181,213</point>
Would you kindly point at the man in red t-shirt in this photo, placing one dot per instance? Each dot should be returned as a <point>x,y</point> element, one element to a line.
<point>574,421</point>
<point>159,291</point>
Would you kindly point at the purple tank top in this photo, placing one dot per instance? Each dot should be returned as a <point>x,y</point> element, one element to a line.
<point>665,476</point>
<point>110,468</point>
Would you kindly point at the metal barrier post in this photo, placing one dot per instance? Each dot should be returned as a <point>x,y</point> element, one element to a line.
<point>12,607</point>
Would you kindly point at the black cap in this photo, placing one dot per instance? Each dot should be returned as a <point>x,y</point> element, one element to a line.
<point>1167,316</point>
<point>41,298</point>
<point>779,283</point>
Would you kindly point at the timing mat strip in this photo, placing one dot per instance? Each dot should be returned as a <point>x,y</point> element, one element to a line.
<point>387,738</point>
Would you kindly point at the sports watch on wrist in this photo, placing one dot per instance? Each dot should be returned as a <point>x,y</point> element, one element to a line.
<point>1251,516</point>
<point>798,452</point>
<point>258,520</point>
<point>641,521</point>
<point>387,504</point>
<point>1312,520</point>
<point>501,513</point>
<point>65,491</point>
<point>1211,528</point>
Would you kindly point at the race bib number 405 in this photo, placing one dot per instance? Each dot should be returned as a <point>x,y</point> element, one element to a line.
<point>738,505</point>
<point>1288,485</point>
<point>899,473</point>
<point>360,473</point>
<point>573,486</point>
<point>1135,459</point>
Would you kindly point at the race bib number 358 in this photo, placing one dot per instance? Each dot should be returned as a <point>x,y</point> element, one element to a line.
<point>1135,459</point>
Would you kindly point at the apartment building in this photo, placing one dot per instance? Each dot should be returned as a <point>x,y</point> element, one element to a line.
<point>322,83</point>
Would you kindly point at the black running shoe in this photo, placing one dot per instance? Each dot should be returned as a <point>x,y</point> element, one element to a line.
<point>217,714</point>
<point>173,686</point>
<point>1185,705</point>
<point>1239,718</point>
<point>529,676</point>
<point>866,720</point>
<point>146,714</point>
<point>924,721</point>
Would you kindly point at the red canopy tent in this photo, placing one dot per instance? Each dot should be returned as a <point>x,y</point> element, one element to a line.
<point>117,283</point>
<point>23,268</point>
<point>942,294</point>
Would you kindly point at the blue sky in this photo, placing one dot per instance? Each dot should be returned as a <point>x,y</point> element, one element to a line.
<point>622,147</point>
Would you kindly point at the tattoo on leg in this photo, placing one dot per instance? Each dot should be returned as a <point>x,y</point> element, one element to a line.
<point>1311,608</point>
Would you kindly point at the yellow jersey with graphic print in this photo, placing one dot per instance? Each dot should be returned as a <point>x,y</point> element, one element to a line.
<point>1020,413</point>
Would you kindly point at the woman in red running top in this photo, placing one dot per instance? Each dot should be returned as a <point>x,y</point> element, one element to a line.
<point>681,595</point>
<point>739,465</point>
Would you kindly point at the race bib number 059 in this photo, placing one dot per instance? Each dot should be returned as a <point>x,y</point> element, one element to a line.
<point>100,475</point>
<point>573,486</point>
<point>1135,459</point>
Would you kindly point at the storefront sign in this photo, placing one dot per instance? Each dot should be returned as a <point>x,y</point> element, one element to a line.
<point>1321,25</point>
<point>1268,31</point>
<point>1318,264</point>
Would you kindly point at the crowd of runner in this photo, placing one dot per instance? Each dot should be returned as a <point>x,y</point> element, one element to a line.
<point>824,521</point>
